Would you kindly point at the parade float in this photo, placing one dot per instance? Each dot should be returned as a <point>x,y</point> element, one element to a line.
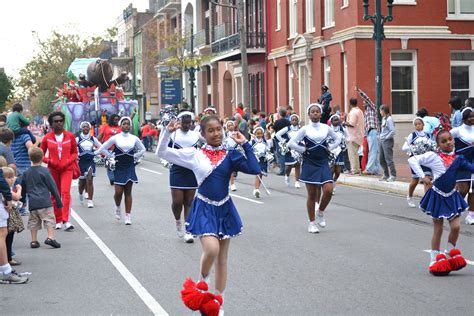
<point>92,95</point>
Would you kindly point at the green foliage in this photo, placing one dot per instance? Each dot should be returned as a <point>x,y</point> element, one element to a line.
<point>42,103</point>
<point>6,89</point>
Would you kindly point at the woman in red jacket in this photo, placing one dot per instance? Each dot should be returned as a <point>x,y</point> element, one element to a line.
<point>62,153</point>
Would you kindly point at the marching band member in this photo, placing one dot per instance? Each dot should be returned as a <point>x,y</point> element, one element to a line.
<point>315,171</point>
<point>261,148</point>
<point>338,152</point>
<point>292,157</point>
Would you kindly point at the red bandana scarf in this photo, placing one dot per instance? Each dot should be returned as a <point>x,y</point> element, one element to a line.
<point>214,155</point>
<point>447,158</point>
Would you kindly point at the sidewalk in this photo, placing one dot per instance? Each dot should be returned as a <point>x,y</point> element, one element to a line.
<point>366,182</point>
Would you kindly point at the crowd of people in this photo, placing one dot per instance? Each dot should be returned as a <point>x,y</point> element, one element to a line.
<point>205,155</point>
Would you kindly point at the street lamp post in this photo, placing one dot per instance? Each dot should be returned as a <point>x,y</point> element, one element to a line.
<point>192,71</point>
<point>378,20</point>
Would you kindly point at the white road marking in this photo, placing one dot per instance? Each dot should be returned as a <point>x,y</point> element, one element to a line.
<point>144,295</point>
<point>467,261</point>
<point>246,199</point>
<point>152,171</point>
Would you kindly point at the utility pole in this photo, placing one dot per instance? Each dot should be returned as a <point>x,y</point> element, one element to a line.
<point>242,29</point>
<point>378,20</point>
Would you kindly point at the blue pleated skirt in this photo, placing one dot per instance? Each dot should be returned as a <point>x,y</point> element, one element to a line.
<point>315,171</point>
<point>182,178</point>
<point>84,166</point>
<point>438,206</point>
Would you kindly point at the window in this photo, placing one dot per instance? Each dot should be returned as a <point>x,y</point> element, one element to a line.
<point>276,87</point>
<point>327,71</point>
<point>289,71</point>
<point>293,18</point>
<point>461,9</point>
<point>310,16</point>
<point>462,74</point>
<point>345,4</point>
<point>328,13</point>
<point>278,18</point>
<point>404,81</point>
<point>404,2</point>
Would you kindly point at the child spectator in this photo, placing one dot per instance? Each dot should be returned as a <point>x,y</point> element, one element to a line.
<point>386,145</point>
<point>37,183</point>
<point>18,123</point>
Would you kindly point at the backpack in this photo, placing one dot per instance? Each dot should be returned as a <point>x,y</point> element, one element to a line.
<point>444,123</point>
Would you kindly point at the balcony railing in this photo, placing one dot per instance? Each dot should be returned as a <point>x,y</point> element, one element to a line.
<point>200,39</point>
<point>165,53</point>
<point>223,45</point>
<point>223,30</point>
<point>168,6</point>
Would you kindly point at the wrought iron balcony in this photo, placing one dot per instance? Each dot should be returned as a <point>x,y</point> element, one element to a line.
<point>165,53</point>
<point>200,39</point>
<point>232,42</point>
<point>168,6</point>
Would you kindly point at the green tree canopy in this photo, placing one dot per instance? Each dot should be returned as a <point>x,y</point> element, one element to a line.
<point>6,89</point>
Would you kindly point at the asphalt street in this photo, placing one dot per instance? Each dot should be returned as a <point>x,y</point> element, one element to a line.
<point>369,260</point>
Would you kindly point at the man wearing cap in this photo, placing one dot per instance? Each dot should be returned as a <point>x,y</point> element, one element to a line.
<point>325,100</point>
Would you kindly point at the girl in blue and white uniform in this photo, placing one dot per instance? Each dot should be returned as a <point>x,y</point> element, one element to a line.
<point>85,146</point>
<point>213,216</point>
<point>419,136</point>
<point>183,183</point>
<point>291,159</point>
<point>442,200</point>
<point>128,149</point>
<point>464,140</point>
<point>315,171</point>
<point>338,152</point>
<point>261,147</point>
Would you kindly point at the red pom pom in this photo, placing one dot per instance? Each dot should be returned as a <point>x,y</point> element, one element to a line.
<point>211,305</point>
<point>441,267</point>
<point>202,286</point>
<point>191,296</point>
<point>457,262</point>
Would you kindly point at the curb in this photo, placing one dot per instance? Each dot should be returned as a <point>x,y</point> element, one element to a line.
<point>396,187</point>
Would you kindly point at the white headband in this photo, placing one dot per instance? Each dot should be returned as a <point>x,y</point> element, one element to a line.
<point>229,122</point>
<point>125,118</point>
<point>466,109</point>
<point>85,123</point>
<point>313,105</point>
<point>294,115</point>
<point>257,128</point>
<point>210,109</point>
<point>418,118</point>
<point>334,115</point>
<point>180,115</point>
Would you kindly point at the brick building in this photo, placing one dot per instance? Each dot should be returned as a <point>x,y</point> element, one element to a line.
<point>428,53</point>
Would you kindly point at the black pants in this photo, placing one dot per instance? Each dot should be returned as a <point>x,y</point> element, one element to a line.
<point>9,242</point>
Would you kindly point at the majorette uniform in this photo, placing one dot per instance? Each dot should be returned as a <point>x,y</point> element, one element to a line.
<point>442,200</point>
<point>229,143</point>
<point>412,139</point>
<point>339,153</point>
<point>128,149</point>
<point>260,148</point>
<point>85,146</point>
<point>284,135</point>
<point>212,213</point>
<point>463,139</point>
<point>315,166</point>
<point>183,178</point>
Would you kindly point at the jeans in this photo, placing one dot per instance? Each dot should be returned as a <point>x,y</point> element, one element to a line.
<point>373,164</point>
<point>386,157</point>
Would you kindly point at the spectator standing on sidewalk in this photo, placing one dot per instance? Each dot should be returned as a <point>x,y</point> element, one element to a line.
<point>325,100</point>
<point>387,141</point>
<point>431,122</point>
<point>355,134</point>
<point>372,132</point>
<point>279,124</point>
<point>456,117</point>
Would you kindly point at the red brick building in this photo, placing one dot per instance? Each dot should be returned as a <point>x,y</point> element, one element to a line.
<point>428,53</point>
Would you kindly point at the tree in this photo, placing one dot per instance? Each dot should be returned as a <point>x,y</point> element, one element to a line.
<point>48,68</point>
<point>6,89</point>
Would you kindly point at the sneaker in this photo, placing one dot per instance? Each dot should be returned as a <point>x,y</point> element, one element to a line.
<point>58,226</point>
<point>334,191</point>
<point>12,278</point>
<point>256,193</point>
<point>297,185</point>
<point>391,179</point>
<point>410,201</point>
<point>469,220</point>
<point>68,227</point>
<point>86,195</point>
<point>90,204</point>
<point>320,219</point>
<point>287,181</point>
<point>179,230</point>
<point>81,198</point>
<point>441,266</point>
<point>128,219</point>
<point>312,228</point>
<point>384,178</point>
<point>118,213</point>
<point>53,243</point>
<point>188,238</point>
<point>233,187</point>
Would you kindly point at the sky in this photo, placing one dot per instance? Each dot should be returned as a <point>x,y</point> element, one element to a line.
<point>21,17</point>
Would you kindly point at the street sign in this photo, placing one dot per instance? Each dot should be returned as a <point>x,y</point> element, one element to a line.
<point>170,91</point>
<point>148,116</point>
